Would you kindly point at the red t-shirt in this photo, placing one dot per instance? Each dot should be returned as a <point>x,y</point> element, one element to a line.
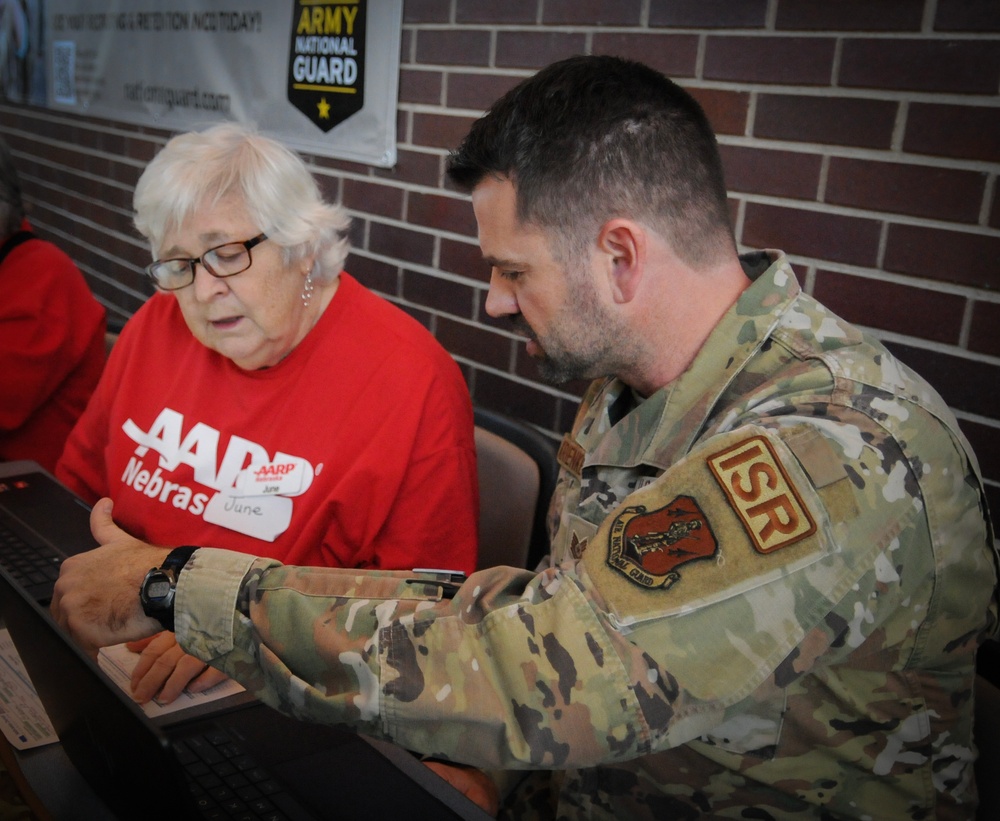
<point>51,350</point>
<point>356,450</point>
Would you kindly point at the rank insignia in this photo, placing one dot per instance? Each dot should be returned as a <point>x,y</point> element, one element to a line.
<point>647,547</point>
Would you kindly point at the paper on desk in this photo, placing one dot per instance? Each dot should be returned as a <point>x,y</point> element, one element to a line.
<point>118,662</point>
<point>22,716</point>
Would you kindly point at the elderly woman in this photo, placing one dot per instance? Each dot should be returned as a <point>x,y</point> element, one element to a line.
<point>264,400</point>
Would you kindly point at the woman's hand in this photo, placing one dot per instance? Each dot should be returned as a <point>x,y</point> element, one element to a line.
<point>164,671</point>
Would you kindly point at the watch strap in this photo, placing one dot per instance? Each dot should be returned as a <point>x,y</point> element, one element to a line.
<point>177,558</point>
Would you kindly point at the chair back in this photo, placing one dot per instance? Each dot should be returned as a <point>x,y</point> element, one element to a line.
<point>517,473</point>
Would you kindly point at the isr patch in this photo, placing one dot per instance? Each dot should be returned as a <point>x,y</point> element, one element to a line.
<point>758,488</point>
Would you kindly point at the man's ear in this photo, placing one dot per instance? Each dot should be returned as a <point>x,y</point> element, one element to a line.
<point>624,243</point>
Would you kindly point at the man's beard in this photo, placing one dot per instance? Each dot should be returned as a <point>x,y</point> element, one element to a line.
<point>558,365</point>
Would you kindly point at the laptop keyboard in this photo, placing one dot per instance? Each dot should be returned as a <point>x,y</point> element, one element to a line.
<point>34,567</point>
<point>227,783</point>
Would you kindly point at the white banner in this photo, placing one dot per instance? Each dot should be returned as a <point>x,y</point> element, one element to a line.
<point>321,75</point>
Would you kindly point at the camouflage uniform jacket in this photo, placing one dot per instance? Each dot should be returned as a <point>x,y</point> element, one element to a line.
<point>769,582</point>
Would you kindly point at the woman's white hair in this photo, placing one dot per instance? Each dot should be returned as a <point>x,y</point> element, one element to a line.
<point>198,169</point>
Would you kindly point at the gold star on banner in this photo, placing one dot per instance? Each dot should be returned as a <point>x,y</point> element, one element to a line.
<point>324,109</point>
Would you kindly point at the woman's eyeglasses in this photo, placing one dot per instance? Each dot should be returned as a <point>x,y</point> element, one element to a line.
<point>222,261</point>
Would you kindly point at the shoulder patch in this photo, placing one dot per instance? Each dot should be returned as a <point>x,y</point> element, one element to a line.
<point>647,546</point>
<point>757,487</point>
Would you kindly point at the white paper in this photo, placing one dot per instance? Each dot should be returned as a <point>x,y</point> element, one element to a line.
<point>22,716</point>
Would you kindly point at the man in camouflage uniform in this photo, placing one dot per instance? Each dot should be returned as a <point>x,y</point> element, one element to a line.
<point>770,569</point>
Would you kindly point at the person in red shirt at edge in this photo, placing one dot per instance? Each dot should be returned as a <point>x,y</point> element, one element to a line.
<point>51,334</point>
<point>264,400</point>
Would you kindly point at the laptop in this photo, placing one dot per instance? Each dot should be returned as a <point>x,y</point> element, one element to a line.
<point>247,761</point>
<point>41,523</point>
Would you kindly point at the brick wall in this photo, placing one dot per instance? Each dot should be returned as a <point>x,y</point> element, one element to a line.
<point>861,136</point>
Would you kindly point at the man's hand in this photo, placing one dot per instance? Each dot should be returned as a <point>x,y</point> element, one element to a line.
<point>164,671</point>
<point>96,596</point>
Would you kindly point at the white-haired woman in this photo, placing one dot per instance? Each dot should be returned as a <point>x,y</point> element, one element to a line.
<point>265,401</point>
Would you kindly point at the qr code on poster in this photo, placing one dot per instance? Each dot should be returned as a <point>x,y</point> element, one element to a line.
<point>64,72</point>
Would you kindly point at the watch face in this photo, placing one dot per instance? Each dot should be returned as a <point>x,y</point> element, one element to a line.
<point>158,589</point>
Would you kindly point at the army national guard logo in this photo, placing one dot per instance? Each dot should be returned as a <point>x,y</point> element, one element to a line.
<point>648,546</point>
<point>326,68</point>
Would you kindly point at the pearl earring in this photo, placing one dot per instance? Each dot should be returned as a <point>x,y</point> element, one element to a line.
<point>307,290</point>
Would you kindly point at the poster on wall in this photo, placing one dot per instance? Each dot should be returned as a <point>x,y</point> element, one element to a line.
<point>321,75</point>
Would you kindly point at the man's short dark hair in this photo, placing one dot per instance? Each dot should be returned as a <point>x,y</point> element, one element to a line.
<point>588,139</point>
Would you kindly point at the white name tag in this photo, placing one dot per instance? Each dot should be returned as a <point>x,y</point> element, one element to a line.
<point>263,517</point>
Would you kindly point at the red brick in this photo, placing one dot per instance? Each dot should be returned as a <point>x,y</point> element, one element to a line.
<point>400,243</point>
<point>968,132</point>
<point>816,234</point>
<point>708,13</point>
<point>465,47</point>
<point>985,441</point>
<point>984,335</point>
<point>464,259</point>
<point>889,306</point>
<point>778,173</point>
<point>726,110</point>
<point>417,167</point>
<point>373,198</point>
<point>947,256</point>
<point>440,295</point>
<point>473,342</point>
<point>960,381</point>
<point>441,213</point>
<point>798,60</point>
<point>967,15</point>
<point>535,49</point>
<point>922,191</point>
<point>957,66</point>
<point>849,15</point>
<point>478,91</point>
<point>374,273</point>
<point>338,166</point>
<point>440,130</point>
<point>675,55</point>
<point>823,119</point>
<point>425,11</point>
<point>417,86</point>
<point>506,13</point>
<point>591,12</point>
<point>517,399</point>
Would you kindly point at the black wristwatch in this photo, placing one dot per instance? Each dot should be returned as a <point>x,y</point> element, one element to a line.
<point>160,585</point>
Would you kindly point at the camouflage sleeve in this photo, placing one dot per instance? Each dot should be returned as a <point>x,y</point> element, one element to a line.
<point>744,563</point>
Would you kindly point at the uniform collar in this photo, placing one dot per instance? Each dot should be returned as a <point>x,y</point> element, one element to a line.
<point>667,423</point>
